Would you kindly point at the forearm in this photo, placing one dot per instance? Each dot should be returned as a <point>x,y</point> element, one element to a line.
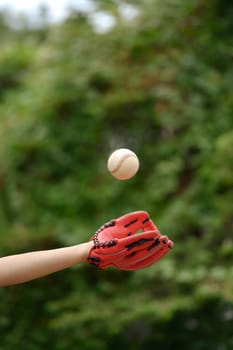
<point>21,268</point>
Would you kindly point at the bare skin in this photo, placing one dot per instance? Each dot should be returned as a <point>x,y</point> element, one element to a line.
<point>20,268</point>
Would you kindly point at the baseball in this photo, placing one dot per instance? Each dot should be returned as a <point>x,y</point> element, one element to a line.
<point>123,164</point>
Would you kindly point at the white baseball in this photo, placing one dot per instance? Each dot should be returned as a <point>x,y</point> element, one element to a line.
<point>123,164</point>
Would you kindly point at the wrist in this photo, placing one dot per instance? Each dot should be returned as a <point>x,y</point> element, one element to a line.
<point>87,248</point>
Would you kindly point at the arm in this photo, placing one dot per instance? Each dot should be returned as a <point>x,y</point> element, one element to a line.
<point>117,243</point>
<point>25,267</point>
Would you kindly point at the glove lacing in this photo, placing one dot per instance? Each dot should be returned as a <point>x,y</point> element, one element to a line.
<point>109,243</point>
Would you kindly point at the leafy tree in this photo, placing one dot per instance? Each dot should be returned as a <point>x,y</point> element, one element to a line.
<point>160,84</point>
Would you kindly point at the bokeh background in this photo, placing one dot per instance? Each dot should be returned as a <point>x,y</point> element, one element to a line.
<point>155,76</point>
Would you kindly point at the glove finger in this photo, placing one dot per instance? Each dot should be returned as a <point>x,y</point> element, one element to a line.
<point>135,221</point>
<point>112,251</point>
<point>129,244</point>
<point>123,226</point>
<point>153,259</point>
<point>143,241</point>
<point>138,256</point>
<point>117,262</point>
<point>133,251</point>
<point>144,259</point>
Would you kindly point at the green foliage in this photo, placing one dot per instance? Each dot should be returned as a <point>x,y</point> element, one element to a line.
<point>160,84</point>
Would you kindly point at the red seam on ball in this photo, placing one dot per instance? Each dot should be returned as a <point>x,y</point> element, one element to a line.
<point>121,162</point>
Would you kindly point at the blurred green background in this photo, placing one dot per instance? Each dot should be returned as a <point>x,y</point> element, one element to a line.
<point>160,82</point>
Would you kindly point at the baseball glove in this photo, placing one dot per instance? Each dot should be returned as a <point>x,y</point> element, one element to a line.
<point>130,242</point>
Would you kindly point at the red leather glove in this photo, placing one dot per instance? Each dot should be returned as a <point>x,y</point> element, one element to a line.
<point>118,243</point>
